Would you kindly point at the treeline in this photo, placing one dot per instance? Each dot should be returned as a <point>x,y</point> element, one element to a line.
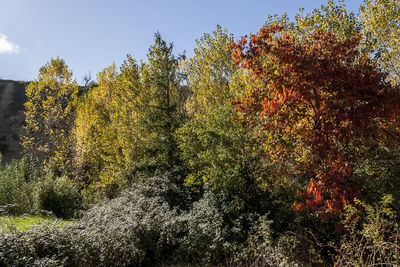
<point>280,148</point>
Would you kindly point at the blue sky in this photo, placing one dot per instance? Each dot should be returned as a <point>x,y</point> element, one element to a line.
<point>91,34</point>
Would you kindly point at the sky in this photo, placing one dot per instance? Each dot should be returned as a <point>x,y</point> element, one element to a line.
<point>92,34</point>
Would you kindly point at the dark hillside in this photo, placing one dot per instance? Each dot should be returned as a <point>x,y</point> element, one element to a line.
<point>12,99</point>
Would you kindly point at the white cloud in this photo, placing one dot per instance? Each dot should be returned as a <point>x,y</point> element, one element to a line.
<point>7,47</point>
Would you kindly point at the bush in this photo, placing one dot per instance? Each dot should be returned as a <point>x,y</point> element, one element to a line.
<point>58,195</point>
<point>211,236</point>
<point>17,180</point>
<point>143,226</point>
<point>26,188</point>
<point>261,250</point>
<point>139,227</point>
<point>372,239</point>
<point>40,246</point>
<point>156,222</point>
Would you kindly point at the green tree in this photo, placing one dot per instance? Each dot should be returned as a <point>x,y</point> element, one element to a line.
<point>161,109</point>
<point>50,112</point>
<point>222,154</point>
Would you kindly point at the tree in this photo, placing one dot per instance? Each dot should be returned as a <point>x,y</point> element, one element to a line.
<point>317,103</point>
<point>50,111</point>
<point>332,17</point>
<point>222,154</point>
<point>108,127</point>
<point>381,28</point>
<point>162,108</point>
<point>211,74</point>
<point>125,125</point>
<point>95,132</point>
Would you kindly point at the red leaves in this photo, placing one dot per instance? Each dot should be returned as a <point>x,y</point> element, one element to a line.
<point>317,95</point>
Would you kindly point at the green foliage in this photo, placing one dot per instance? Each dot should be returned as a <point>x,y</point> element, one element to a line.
<point>222,154</point>
<point>162,109</point>
<point>372,241</point>
<point>49,112</point>
<point>23,223</point>
<point>33,247</point>
<point>58,195</point>
<point>17,183</point>
<point>377,172</point>
<point>260,249</point>
<point>213,230</point>
<point>141,227</point>
<point>26,188</point>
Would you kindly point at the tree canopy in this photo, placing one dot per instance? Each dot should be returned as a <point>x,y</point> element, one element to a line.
<point>50,111</point>
<point>314,104</point>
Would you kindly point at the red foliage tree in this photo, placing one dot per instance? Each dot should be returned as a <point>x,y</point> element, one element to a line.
<point>317,98</point>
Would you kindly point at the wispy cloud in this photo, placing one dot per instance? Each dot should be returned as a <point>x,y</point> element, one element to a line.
<point>6,46</point>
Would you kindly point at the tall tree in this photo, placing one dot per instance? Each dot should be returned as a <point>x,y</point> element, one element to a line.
<point>162,107</point>
<point>223,155</point>
<point>50,112</point>
<point>316,105</point>
<point>95,132</point>
<point>107,128</point>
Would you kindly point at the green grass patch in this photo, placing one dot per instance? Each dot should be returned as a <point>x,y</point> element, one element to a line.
<point>22,223</point>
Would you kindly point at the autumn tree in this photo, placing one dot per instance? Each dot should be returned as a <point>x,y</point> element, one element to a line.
<point>212,76</point>
<point>97,153</point>
<point>109,129</point>
<point>50,112</point>
<point>130,101</point>
<point>381,28</point>
<point>125,125</point>
<point>316,105</point>
<point>332,17</point>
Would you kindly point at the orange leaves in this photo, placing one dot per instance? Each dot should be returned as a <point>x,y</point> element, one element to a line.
<point>316,99</point>
<point>299,206</point>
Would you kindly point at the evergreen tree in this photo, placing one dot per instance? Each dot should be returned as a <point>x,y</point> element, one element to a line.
<point>162,107</point>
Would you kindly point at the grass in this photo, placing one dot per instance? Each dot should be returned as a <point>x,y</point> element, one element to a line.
<point>22,223</point>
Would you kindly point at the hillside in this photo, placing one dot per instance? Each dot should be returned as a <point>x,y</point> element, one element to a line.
<point>12,99</point>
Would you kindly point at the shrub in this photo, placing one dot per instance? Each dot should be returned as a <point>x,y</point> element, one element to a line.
<point>139,227</point>
<point>17,180</point>
<point>143,226</point>
<point>261,250</point>
<point>40,246</point>
<point>373,239</point>
<point>58,195</point>
<point>211,236</point>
